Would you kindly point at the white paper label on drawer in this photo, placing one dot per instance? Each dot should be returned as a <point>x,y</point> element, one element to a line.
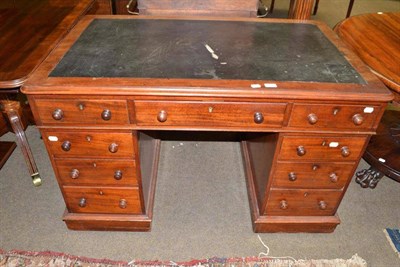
<point>270,85</point>
<point>255,85</point>
<point>368,109</point>
<point>53,138</point>
<point>333,144</point>
<point>382,160</point>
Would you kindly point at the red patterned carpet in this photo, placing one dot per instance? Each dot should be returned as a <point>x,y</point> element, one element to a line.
<point>55,259</point>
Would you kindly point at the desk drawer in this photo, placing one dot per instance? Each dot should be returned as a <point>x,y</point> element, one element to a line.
<point>296,202</point>
<point>209,114</point>
<point>97,172</point>
<point>102,199</point>
<point>322,148</point>
<point>82,111</point>
<point>312,175</point>
<point>71,143</point>
<point>334,116</point>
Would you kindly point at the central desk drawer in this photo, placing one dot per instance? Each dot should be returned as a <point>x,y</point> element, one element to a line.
<point>322,148</point>
<point>71,143</point>
<point>296,202</point>
<point>209,114</point>
<point>97,172</point>
<point>102,200</point>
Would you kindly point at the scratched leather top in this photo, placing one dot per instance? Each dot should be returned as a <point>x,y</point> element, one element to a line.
<point>177,49</point>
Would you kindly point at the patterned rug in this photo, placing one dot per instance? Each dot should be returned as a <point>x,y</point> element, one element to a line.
<point>54,259</point>
<point>393,236</point>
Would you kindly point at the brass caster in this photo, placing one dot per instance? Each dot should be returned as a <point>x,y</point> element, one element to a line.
<point>36,180</point>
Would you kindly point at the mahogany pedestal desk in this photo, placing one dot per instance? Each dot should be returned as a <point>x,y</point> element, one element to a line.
<point>28,32</point>
<point>301,104</point>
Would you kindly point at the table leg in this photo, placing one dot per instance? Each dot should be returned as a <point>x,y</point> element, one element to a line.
<point>302,10</point>
<point>368,178</point>
<point>349,8</point>
<point>11,108</point>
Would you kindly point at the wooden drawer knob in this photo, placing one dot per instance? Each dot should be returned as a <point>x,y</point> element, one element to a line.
<point>123,203</point>
<point>301,151</point>
<point>292,176</point>
<point>74,173</point>
<point>162,116</point>
<point>118,175</point>
<point>283,205</point>
<point>82,202</point>
<point>66,146</point>
<point>258,117</point>
<point>322,205</point>
<point>312,118</point>
<point>106,115</point>
<point>345,151</point>
<point>334,178</point>
<point>358,119</point>
<point>58,114</point>
<point>113,148</point>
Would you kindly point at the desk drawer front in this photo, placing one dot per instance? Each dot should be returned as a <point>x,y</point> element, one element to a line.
<point>88,112</point>
<point>331,116</point>
<point>303,202</point>
<point>89,144</point>
<point>102,200</point>
<point>322,148</point>
<point>188,5</point>
<point>312,175</point>
<point>209,114</point>
<point>96,172</point>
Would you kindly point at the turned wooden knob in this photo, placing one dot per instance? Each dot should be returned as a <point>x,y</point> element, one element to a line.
<point>322,205</point>
<point>301,151</point>
<point>312,118</point>
<point>123,203</point>
<point>258,117</point>
<point>345,151</point>
<point>333,176</point>
<point>82,202</point>
<point>283,205</point>
<point>162,116</point>
<point>106,115</point>
<point>118,175</point>
<point>292,176</point>
<point>113,147</point>
<point>74,173</point>
<point>357,119</point>
<point>66,146</point>
<point>58,114</point>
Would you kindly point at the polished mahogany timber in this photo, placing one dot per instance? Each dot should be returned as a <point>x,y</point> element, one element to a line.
<point>34,28</point>
<point>375,39</point>
<point>300,9</point>
<point>232,8</point>
<point>29,30</point>
<point>302,105</point>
